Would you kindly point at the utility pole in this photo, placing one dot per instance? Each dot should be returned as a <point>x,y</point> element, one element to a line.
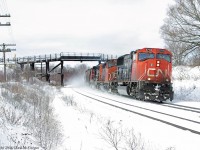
<point>4,50</point>
<point>5,16</point>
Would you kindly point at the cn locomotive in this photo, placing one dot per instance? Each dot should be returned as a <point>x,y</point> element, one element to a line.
<point>144,74</point>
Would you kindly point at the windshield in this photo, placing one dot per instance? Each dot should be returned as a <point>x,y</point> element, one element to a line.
<point>166,57</point>
<point>144,56</point>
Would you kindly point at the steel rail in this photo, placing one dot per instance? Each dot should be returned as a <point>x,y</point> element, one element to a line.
<point>177,105</point>
<point>186,108</point>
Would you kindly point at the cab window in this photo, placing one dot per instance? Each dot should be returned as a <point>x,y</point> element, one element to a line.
<point>166,57</point>
<point>145,56</point>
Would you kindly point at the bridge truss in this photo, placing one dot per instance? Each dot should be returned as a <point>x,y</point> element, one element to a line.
<point>45,60</point>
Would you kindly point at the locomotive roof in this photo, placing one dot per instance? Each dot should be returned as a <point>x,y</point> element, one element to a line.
<point>95,67</point>
<point>153,49</point>
<point>123,56</point>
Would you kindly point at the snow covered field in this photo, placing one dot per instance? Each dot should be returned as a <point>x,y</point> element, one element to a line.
<point>88,120</point>
<point>89,125</point>
<point>84,123</point>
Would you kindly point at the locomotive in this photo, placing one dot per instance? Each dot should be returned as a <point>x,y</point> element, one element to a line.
<point>144,74</point>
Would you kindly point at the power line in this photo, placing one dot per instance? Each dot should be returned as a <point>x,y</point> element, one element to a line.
<point>4,14</point>
<point>1,8</point>
<point>5,6</point>
<point>6,10</point>
<point>5,18</point>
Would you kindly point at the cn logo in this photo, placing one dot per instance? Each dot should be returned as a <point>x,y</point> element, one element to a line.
<point>153,72</point>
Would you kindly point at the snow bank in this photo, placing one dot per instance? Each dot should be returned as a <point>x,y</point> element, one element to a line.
<point>186,83</point>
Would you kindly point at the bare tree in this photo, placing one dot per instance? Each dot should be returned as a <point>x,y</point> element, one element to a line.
<point>178,49</point>
<point>119,138</point>
<point>132,141</point>
<point>113,136</point>
<point>195,58</point>
<point>183,27</point>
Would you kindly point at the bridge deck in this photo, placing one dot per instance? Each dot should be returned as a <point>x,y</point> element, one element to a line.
<point>64,56</point>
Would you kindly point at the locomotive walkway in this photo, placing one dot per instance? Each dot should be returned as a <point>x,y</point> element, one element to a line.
<point>64,56</point>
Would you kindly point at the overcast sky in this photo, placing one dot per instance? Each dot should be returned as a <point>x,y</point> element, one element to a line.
<point>96,26</point>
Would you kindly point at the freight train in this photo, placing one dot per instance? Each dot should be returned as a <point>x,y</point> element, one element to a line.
<point>144,74</point>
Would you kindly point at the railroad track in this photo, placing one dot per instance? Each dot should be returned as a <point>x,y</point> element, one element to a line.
<point>180,122</point>
<point>183,107</point>
<point>163,104</point>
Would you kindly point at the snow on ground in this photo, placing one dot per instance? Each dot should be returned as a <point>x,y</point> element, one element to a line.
<point>83,125</point>
<point>26,117</point>
<point>186,84</point>
<point>13,135</point>
<point>85,122</point>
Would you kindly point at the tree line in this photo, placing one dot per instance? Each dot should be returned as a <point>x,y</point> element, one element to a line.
<point>16,73</point>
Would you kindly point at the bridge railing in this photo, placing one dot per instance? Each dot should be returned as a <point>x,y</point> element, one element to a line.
<point>39,58</point>
<point>79,54</point>
<point>56,56</point>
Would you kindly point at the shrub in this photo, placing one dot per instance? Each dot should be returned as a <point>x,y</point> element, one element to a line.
<point>31,107</point>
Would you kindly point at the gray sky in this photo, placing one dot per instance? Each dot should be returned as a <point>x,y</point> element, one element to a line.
<point>96,26</point>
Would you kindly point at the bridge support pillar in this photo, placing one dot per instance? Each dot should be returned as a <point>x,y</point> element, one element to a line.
<point>22,66</point>
<point>47,72</point>
<point>62,75</point>
<point>41,70</point>
<point>32,66</point>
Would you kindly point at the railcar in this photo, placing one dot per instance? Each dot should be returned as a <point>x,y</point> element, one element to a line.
<point>87,76</point>
<point>107,75</point>
<point>91,75</point>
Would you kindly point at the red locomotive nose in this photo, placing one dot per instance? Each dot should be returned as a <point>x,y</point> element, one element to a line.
<point>153,65</point>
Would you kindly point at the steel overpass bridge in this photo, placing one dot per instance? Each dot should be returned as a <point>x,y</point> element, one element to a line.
<point>45,60</point>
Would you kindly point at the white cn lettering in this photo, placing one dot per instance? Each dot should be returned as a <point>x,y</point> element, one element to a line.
<point>158,71</point>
